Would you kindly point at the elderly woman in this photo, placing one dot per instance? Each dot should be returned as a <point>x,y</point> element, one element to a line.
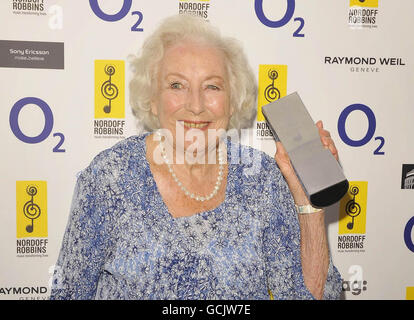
<point>174,213</point>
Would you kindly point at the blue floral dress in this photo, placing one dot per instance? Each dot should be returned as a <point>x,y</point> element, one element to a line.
<point>122,243</point>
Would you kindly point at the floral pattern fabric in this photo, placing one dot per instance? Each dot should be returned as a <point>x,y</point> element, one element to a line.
<point>122,243</point>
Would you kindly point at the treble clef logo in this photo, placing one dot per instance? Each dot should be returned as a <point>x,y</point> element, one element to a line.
<point>108,89</point>
<point>30,209</point>
<point>352,208</point>
<point>271,92</point>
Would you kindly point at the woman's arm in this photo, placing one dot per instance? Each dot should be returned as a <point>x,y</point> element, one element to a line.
<point>80,258</point>
<point>314,252</point>
<point>313,240</point>
<point>87,235</point>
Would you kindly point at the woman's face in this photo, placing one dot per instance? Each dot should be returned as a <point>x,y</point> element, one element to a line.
<point>193,92</point>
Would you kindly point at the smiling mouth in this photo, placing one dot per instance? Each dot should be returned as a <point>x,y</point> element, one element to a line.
<point>195,124</point>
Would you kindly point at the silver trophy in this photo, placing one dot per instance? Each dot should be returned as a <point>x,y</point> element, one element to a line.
<point>319,172</point>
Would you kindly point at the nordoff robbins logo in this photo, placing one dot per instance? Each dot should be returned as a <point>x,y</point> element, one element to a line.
<point>31,219</point>
<point>272,86</point>
<point>28,7</point>
<point>31,209</point>
<point>363,14</point>
<point>109,98</point>
<point>197,8</point>
<point>352,218</point>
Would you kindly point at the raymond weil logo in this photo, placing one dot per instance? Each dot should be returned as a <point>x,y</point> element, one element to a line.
<point>109,98</point>
<point>272,86</point>
<point>24,293</point>
<point>352,218</point>
<point>366,64</point>
<point>363,14</point>
<point>199,8</point>
<point>31,218</point>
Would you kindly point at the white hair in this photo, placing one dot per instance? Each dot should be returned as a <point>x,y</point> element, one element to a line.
<point>178,28</point>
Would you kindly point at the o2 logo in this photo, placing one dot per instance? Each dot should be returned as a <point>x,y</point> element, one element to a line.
<point>407,234</point>
<point>290,10</point>
<point>47,112</point>
<point>372,124</point>
<point>126,7</point>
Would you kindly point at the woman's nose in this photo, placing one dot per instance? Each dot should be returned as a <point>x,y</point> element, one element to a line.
<point>195,102</point>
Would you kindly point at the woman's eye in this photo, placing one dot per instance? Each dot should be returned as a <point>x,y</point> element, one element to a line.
<point>213,87</point>
<point>176,85</point>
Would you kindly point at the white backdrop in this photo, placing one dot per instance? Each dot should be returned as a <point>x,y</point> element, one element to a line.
<point>50,53</point>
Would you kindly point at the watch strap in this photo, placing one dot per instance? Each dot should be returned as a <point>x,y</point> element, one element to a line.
<point>306,209</point>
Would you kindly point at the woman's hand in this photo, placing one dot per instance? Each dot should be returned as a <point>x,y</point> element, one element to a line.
<point>283,161</point>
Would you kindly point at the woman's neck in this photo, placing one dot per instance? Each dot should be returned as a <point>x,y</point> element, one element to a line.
<point>195,163</point>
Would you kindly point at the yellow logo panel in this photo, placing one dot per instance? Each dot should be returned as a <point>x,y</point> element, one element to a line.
<point>409,293</point>
<point>353,208</point>
<point>31,209</point>
<point>109,89</point>
<point>364,3</point>
<point>272,85</point>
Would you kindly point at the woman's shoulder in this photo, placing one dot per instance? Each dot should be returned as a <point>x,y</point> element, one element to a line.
<point>119,156</point>
<point>252,161</point>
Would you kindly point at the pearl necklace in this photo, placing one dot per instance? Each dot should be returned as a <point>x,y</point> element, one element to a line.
<point>183,188</point>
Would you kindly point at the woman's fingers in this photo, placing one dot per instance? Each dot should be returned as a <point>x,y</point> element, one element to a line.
<point>283,160</point>
<point>326,139</point>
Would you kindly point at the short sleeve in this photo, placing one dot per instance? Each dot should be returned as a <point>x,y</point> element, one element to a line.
<point>281,243</point>
<point>82,253</point>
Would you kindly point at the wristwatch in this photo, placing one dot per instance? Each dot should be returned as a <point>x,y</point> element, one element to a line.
<point>307,209</point>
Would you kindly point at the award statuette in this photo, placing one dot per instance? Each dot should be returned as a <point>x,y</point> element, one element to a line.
<point>320,174</point>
